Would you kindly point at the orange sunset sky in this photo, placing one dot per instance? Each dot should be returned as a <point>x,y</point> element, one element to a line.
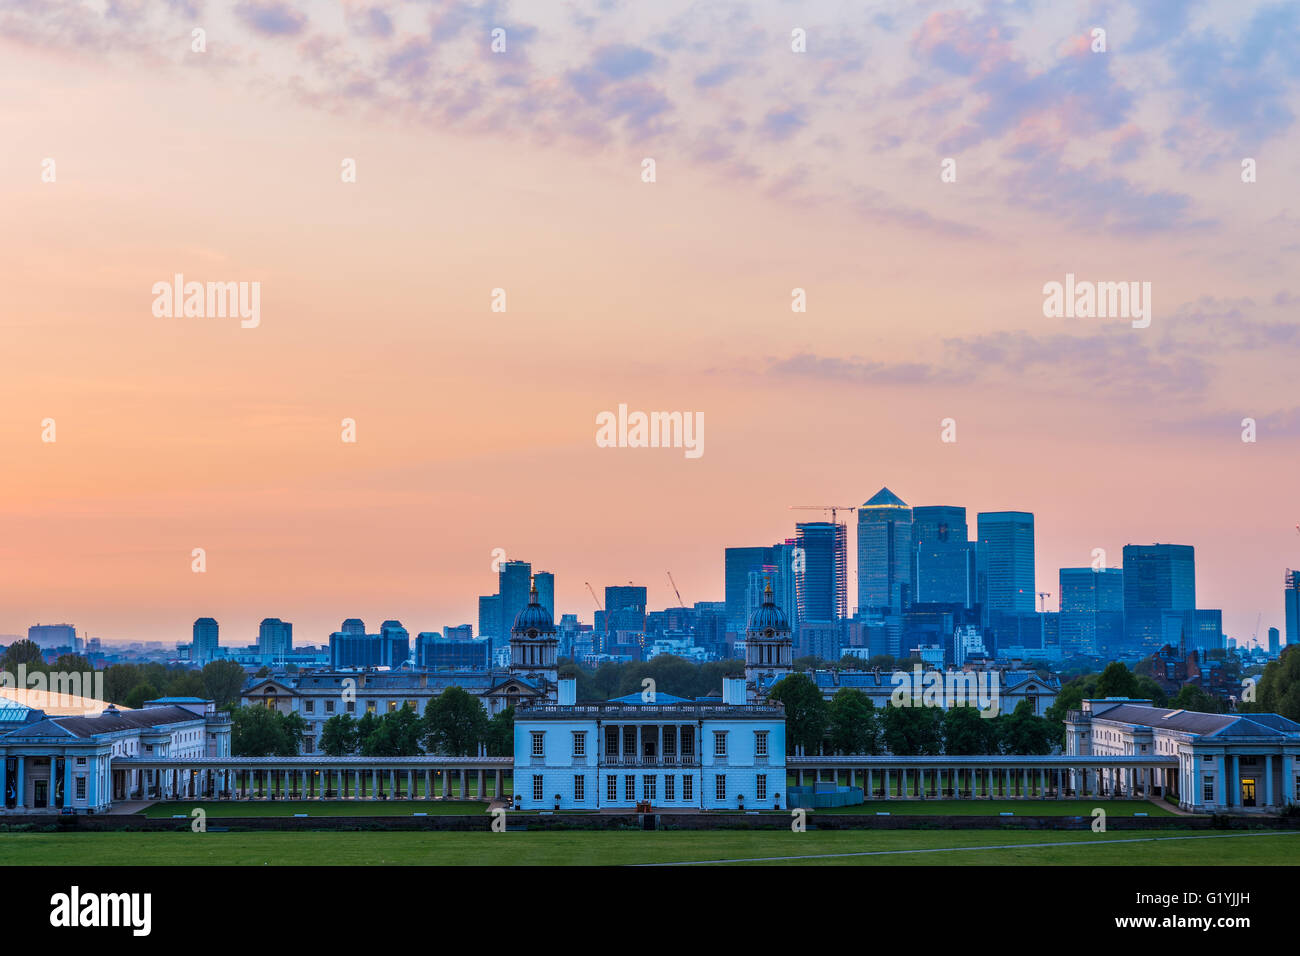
<point>522,171</point>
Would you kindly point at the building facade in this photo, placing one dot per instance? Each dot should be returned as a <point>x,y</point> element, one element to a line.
<point>650,750</point>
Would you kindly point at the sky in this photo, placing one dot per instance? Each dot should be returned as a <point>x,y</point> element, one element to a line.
<point>523,171</point>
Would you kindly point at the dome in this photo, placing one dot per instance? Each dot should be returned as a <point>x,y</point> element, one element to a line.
<point>534,619</point>
<point>768,620</point>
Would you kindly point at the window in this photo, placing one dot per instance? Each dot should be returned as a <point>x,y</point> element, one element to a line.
<point>537,786</point>
<point>688,742</point>
<point>761,784</point>
<point>538,743</point>
<point>611,788</point>
<point>670,787</point>
<point>1207,789</point>
<point>81,788</point>
<point>579,788</point>
<point>81,761</point>
<point>370,707</point>
<point>413,704</point>
<point>308,706</point>
<point>580,743</point>
<point>307,745</point>
<point>760,743</point>
<point>392,706</point>
<point>720,787</point>
<point>719,743</point>
<point>329,706</point>
<point>648,787</point>
<point>629,740</point>
<point>611,741</point>
<point>629,787</point>
<point>687,784</point>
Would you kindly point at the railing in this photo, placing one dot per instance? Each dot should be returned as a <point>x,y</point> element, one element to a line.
<point>628,760</point>
<point>617,710</point>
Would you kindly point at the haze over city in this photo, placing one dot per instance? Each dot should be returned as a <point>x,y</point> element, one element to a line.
<point>476,429</point>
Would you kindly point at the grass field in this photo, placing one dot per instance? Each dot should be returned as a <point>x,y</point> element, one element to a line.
<point>318,808</point>
<point>885,848</point>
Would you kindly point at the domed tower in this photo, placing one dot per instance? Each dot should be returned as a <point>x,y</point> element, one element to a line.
<point>534,648</point>
<point>768,650</point>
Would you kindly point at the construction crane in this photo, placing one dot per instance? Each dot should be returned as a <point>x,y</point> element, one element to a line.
<point>680,602</point>
<point>831,508</point>
<point>1042,601</point>
<point>599,607</point>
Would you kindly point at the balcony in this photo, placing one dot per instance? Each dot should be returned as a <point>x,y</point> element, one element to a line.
<point>667,761</point>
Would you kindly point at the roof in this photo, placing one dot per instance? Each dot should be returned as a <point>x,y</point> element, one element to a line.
<point>884,498</point>
<point>656,698</point>
<point>83,727</point>
<point>1196,722</point>
<point>179,700</point>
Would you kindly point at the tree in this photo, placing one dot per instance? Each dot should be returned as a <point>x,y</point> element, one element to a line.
<point>913,731</point>
<point>1191,697</point>
<point>186,684</point>
<point>119,680</point>
<point>454,723</point>
<point>72,664</point>
<point>259,731</point>
<point>294,727</point>
<point>23,652</point>
<point>852,723</point>
<point>222,682</point>
<point>966,733</point>
<point>396,735</point>
<point>139,694</point>
<point>1117,681</point>
<point>1024,733</point>
<point>1278,690</point>
<point>500,737</point>
<point>338,738</point>
<point>806,713</point>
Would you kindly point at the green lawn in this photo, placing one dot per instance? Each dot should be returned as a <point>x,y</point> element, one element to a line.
<point>1021,808</point>
<point>318,808</point>
<point>923,847</point>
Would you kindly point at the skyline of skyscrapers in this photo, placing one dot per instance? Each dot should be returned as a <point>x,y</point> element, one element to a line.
<point>1092,609</point>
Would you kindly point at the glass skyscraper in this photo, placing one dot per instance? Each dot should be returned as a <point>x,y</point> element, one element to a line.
<point>514,582</point>
<point>205,640</point>
<point>737,565</point>
<point>1092,610</point>
<point>1157,578</point>
<point>884,552</point>
<point>822,584</point>
<point>1006,540</point>
<point>1292,596</point>
<point>545,591</point>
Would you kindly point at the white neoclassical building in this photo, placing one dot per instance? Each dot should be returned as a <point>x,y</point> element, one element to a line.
<point>650,749</point>
<point>1226,762</point>
<point>76,763</point>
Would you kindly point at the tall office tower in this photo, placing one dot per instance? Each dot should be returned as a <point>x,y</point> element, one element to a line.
<point>1292,597</point>
<point>884,552</point>
<point>711,627</point>
<point>457,632</point>
<point>737,563</point>
<point>943,561</point>
<point>515,580</point>
<point>1007,540</point>
<point>395,644</point>
<point>1274,642</point>
<point>546,590</point>
<point>1157,578</point>
<point>822,584</point>
<point>49,637</point>
<point>625,610</point>
<point>1092,610</point>
<point>785,591</point>
<point>353,627</point>
<point>274,639</point>
<point>489,615</point>
<point>205,640</point>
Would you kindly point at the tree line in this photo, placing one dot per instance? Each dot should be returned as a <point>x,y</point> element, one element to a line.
<point>850,723</point>
<point>454,724</point>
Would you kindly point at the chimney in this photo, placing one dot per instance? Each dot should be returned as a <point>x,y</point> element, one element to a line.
<point>733,690</point>
<point>568,691</point>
